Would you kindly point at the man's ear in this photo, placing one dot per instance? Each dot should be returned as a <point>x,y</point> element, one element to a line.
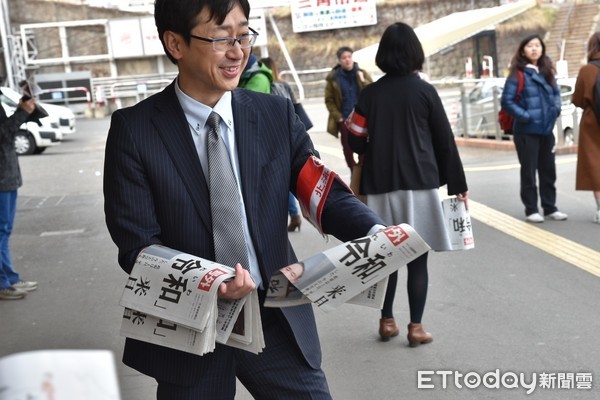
<point>174,43</point>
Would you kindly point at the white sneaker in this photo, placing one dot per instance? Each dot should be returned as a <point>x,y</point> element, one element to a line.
<point>597,217</point>
<point>535,217</point>
<point>557,216</point>
<point>10,293</point>
<point>27,286</point>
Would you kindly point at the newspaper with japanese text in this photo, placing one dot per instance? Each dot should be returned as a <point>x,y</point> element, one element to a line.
<point>354,272</point>
<point>458,224</point>
<point>170,299</point>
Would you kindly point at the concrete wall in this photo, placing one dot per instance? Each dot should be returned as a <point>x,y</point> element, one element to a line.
<point>309,50</point>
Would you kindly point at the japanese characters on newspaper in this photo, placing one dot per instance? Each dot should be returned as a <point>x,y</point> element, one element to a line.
<point>170,299</point>
<point>354,272</point>
<point>458,224</point>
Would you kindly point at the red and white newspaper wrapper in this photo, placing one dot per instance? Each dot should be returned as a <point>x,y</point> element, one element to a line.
<point>458,224</point>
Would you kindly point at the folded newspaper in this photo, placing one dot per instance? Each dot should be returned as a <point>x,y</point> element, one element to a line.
<point>458,224</point>
<point>170,299</point>
<point>353,272</point>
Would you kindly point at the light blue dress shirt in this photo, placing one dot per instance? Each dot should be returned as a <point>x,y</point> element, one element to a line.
<point>196,114</point>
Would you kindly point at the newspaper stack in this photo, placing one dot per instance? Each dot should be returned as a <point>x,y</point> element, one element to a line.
<point>170,299</point>
<point>354,272</point>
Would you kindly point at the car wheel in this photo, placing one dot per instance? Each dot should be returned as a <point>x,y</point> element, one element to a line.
<point>24,143</point>
<point>39,150</point>
<point>569,137</point>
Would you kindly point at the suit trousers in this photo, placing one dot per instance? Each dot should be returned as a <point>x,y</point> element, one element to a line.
<point>279,372</point>
<point>536,154</point>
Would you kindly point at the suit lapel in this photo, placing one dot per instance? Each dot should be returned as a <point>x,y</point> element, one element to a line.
<point>249,143</point>
<point>172,127</point>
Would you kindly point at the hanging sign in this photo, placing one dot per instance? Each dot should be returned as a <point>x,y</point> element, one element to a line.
<point>318,15</point>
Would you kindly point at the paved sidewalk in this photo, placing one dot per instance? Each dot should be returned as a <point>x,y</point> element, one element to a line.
<point>509,305</point>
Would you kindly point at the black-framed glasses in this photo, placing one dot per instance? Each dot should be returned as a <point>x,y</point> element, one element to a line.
<point>226,43</point>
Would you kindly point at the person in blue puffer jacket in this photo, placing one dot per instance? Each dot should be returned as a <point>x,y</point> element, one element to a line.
<point>535,111</point>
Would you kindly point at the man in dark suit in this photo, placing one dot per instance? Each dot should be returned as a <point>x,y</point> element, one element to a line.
<point>156,187</point>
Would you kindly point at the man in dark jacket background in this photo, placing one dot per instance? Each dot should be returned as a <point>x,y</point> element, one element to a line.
<point>344,83</point>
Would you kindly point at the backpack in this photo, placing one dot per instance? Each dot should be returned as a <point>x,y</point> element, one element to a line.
<point>505,119</point>
<point>279,89</point>
<point>596,107</point>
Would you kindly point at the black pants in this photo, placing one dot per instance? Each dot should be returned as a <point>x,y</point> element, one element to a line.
<point>536,154</point>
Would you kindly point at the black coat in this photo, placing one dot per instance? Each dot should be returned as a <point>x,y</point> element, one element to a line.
<point>410,145</point>
<point>10,173</point>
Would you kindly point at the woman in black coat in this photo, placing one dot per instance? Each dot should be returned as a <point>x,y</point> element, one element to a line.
<point>400,125</point>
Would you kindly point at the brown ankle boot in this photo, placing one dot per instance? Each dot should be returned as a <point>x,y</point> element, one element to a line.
<point>295,222</point>
<point>417,335</point>
<point>388,329</point>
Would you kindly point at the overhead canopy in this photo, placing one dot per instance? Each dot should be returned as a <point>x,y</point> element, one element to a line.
<point>449,30</point>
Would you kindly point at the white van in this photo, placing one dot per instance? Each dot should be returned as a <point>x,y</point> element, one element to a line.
<point>34,138</point>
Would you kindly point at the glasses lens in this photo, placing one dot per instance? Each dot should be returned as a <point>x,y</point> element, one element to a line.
<point>223,44</point>
<point>246,41</point>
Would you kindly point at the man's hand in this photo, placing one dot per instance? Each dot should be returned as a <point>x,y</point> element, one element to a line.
<point>239,286</point>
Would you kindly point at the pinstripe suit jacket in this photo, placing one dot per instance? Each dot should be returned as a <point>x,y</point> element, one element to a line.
<point>156,193</point>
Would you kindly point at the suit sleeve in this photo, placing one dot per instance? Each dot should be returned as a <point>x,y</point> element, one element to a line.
<point>324,198</point>
<point>128,202</point>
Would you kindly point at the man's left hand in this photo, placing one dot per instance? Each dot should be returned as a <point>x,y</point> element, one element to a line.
<point>239,286</point>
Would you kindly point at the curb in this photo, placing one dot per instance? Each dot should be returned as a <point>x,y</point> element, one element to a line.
<point>505,145</point>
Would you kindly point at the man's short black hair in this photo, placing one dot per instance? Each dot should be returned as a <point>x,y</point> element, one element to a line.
<point>343,50</point>
<point>180,16</point>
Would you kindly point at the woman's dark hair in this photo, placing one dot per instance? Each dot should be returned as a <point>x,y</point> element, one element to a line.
<point>593,47</point>
<point>544,64</point>
<point>272,65</point>
<point>400,51</point>
<point>180,16</point>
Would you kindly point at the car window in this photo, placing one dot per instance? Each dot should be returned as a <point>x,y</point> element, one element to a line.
<point>476,94</point>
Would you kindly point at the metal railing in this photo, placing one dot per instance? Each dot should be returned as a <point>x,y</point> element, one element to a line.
<point>472,107</point>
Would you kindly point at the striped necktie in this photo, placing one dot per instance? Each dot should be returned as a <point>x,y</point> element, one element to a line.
<point>228,233</point>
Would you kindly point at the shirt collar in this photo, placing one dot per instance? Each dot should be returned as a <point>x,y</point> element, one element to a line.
<point>197,113</point>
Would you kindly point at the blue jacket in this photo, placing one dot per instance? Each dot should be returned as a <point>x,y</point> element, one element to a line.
<point>538,106</point>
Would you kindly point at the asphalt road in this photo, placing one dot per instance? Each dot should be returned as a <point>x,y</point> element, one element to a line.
<point>524,301</point>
